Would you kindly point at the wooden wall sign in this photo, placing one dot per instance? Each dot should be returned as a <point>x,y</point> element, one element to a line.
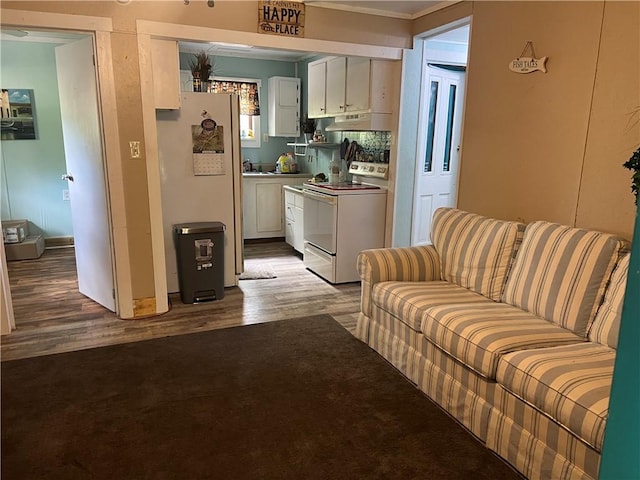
<point>530,64</point>
<point>281,17</point>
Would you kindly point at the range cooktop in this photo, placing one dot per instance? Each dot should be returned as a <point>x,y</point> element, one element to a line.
<point>343,186</point>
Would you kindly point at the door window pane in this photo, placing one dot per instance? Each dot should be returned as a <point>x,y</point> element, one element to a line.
<point>431,127</point>
<point>446,164</point>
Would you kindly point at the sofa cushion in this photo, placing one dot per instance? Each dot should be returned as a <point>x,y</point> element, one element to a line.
<point>571,384</point>
<point>407,301</point>
<point>475,252</point>
<point>560,273</point>
<point>478,334</point>
<point>606,325</point>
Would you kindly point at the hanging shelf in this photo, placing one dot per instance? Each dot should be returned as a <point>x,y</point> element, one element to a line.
<point>300,149</point>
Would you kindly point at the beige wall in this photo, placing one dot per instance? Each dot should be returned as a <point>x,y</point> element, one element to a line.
<point>550,146</point>
<point>605,200</point>
<point>320,24</point>
<point>537,146</point>
<point>240,15</point>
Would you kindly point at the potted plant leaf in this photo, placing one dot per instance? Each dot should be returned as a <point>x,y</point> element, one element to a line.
<point>308,126</point>
<point>201,69</point>
<point>633,164</point>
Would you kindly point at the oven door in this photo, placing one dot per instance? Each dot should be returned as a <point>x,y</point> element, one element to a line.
<point>320,220</point>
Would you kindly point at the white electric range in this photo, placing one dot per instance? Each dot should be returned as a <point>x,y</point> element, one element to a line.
<point>341,220</point>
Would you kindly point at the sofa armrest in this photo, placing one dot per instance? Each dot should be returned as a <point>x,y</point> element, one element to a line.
<point>404,264</point>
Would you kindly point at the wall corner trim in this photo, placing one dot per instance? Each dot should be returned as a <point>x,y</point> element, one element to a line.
<point>192,32</point>
<point>61,20</point>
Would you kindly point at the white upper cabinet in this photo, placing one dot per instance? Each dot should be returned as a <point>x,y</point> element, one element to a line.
<point>336,85</point>
<point>317,88</point>
<point>165,66</point>
<point>344,85</point>
<point>357,84</point>
<point>284,107</point>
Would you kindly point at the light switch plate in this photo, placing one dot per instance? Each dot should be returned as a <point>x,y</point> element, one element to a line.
<point>134,147</point>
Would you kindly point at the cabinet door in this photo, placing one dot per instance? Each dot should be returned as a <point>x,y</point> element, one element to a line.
<point>269,208</point>
<point>358,84</point>
<point>249,202</point>
<point>287,123</point>
<point>165,66</point>
<point>316,89</point>
<point>287,92</point>
<point>284,107</point>
<point>336,75</point>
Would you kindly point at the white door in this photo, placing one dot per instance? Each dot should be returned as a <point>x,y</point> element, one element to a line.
<point>438,148</point>
<point>85,170</point>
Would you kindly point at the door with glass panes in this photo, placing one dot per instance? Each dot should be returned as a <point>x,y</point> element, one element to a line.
<point>438,147</point>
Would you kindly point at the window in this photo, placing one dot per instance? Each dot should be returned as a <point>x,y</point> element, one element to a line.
<point>431,127</point>
<point>248,90</point>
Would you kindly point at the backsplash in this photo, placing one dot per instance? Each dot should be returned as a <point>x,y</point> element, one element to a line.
<point>373,144</point>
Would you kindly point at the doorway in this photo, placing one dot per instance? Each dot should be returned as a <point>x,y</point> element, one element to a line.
<point>68,146</point>
<point>439,140</point>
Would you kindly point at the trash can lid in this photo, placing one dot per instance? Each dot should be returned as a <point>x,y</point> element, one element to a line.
<point>199,227</point>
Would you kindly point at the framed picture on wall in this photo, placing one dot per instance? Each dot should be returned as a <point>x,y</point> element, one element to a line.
<point>17,115</point>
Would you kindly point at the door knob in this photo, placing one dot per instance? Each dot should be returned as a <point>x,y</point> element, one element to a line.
<point>67,176</point>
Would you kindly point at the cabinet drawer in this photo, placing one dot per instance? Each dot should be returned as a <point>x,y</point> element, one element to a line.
<point>320,262</point>
<point>289,210</point>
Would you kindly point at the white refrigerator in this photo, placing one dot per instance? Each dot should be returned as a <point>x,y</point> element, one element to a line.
<point>201,174</point>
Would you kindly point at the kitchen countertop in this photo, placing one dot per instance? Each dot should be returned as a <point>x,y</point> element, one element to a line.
<point>284,175</point>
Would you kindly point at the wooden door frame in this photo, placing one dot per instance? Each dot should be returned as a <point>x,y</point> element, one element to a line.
<point>100,28</point>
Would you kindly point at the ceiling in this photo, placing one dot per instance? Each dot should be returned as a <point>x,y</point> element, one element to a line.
<point>409,9</point>
<point>22,35</point>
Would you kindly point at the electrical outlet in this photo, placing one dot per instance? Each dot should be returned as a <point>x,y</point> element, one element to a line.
<point>134,147</point>
<point>65,195</point>
<point>265,137</point>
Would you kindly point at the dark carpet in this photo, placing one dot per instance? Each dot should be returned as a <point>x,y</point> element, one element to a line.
<point>295,399</point>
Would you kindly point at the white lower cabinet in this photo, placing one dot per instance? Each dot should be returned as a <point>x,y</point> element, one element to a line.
<point>294,220</point>
<point>264,210</point>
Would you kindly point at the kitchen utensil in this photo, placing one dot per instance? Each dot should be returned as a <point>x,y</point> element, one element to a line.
<point>343,148</point>
<point>352,151</point>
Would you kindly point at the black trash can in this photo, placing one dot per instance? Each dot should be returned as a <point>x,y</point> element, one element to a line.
<point>200,257</point>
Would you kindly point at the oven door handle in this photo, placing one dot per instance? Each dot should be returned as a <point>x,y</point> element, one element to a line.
<point>330,199</point>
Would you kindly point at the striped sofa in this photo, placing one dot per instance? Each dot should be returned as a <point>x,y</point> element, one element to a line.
<point>511,328</point>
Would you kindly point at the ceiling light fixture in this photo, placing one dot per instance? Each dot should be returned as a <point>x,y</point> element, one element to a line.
<point>16,33</point>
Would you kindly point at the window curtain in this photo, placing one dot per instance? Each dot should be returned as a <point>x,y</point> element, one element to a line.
<point>248,92</point>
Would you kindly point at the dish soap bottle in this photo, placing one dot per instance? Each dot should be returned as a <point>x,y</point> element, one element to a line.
<point>334,169</point>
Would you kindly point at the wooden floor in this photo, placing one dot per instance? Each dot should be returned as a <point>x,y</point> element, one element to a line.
<point>52,316</point>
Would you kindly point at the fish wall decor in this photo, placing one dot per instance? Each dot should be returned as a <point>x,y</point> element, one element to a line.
<point>530,64</point>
